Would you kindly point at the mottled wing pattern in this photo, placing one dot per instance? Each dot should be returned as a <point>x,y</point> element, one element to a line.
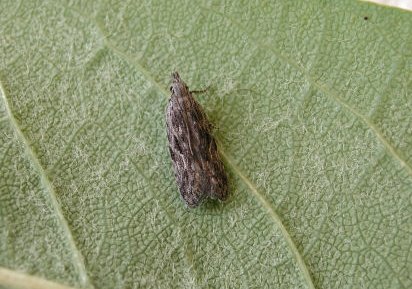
<point>197,165</point>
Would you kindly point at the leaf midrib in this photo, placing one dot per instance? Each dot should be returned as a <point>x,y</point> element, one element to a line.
<point>260,198</point>
<point>325,89</point>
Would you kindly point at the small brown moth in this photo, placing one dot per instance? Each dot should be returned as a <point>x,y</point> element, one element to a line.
<point>197,165</point>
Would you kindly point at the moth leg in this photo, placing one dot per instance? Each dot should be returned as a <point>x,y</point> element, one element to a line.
<point>200,91</point>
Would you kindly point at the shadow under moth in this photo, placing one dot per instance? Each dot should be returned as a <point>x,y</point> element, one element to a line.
<point>196,161</point>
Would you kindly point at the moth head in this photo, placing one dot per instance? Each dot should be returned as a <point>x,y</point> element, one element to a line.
<point>178,87</point>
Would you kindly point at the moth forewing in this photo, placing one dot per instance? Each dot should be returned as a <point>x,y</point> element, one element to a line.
<point>198,168</point>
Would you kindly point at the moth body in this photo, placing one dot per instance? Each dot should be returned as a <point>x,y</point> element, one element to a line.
<point>197,165</point>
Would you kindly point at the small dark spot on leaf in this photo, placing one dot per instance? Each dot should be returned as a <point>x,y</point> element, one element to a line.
<point>365,17</point>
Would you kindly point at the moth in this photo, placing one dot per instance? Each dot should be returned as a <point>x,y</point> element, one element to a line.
<point>197,165</point>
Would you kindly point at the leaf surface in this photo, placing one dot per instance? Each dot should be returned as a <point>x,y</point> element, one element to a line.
<point>312,103</point>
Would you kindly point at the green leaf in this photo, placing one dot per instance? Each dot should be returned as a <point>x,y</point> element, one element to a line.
<point>312,104</point>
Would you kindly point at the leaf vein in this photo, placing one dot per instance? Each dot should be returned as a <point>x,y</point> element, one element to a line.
<point>276,219</point>
<point>326,91</point>
<point>16,279</point>
<point>77,257</point>
<point>295,252</point>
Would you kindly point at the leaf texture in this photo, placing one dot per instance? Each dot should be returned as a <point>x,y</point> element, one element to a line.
<point>312,102</point>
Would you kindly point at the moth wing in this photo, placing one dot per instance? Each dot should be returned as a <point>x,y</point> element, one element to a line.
<point>212,180</point>
<point>179,133</point>
<point>197,165</point>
